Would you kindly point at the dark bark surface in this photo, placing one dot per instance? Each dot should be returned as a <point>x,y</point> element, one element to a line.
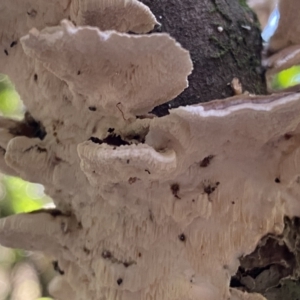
<point>273,269</point>
<point>218,57</point>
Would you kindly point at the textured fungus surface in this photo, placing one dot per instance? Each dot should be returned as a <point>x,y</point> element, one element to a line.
<point>147,208</point>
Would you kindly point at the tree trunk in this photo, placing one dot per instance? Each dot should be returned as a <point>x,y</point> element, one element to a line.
<point>224,41</point>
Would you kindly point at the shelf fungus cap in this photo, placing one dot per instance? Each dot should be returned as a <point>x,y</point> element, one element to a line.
<point>119,15</point>
<point>116,164</point>
<point>39,231</point>
<point>121,74</point>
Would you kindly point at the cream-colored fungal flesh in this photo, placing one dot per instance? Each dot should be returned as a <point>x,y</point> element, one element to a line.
<point>151,208</point>
<point>119,15</point>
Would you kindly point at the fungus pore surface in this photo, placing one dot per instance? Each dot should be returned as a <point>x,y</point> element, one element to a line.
<point>146,207</point>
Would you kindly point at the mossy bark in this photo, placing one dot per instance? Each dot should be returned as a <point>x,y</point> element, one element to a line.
<point>224,40</point>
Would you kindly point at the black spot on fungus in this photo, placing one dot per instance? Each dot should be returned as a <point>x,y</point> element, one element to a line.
<point>119,281</point>
<point>96,140</point>
<point>136,137</point>
<point>110,130</point>
<point>288,136</point>
<point>193,200</point>
<point>41,150</point>
<point>32,128</point>
<point>106,254</point>
<point>14,43</point>
<point>175,190</point>
<point>132,180</point>
<point>140,254</point>
<point>232,202</point>
<point>127,161</point>
<point>182,237</point>
<point>57,268</point>
<point>115,140</point>
<point>79,72</point>
<point>206,161</point>
<point>86,250</point>
<point>277,180</point>
<point>92,108</point>
<point>6,52</point>
<point>35,77</point>
<point>32,13</point>
<point>55,212</point>
<point>209,189</point>
<point>146,170</point>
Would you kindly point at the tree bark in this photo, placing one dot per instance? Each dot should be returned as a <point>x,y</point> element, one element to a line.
<point>224,40</point>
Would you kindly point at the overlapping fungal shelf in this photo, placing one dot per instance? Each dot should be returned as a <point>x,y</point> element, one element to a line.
<point>148,208</point>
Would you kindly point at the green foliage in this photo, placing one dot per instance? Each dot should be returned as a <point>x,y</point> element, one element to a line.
<point>10,103</point>
<point>286,78</point>
<point>21,196</point>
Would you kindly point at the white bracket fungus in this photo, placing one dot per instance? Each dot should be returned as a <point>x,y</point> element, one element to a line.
<point>119,15</point>
<point>151,208</point>
<point>129,81</point>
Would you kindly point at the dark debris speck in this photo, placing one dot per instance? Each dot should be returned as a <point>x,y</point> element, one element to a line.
<point>115,140</point>
<point>175,188</point>
<point>206,161</point>
<point>119,281</point>
<point>57,268</point>
<point>182,237</point>
<point>209,189</point>
<point>96,140</point>
<point>106,254</point>
<point>14,43</point>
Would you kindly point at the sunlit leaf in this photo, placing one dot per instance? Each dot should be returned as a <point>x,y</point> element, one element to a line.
<point>10,102</point>
<point>19,198</point>
<point>287,78</point>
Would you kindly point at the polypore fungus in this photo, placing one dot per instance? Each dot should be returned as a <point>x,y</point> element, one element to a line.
<point>119,15</point>
<point>147,208</point>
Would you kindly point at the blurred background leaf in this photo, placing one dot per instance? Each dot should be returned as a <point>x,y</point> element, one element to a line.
<point>286,78</point>
<point>24,275</point>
